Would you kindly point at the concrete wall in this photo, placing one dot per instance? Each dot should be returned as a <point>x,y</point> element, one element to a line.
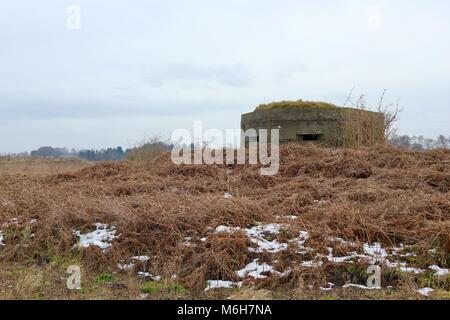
<point>335,127</point>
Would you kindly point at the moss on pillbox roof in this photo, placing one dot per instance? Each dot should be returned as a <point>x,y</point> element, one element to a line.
<point>299,104</point>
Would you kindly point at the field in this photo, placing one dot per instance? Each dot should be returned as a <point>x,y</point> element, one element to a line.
<point>155,230</point>
<point>40,166</point>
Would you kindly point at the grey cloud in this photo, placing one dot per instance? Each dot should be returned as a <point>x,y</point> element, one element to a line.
<point>124,106</point>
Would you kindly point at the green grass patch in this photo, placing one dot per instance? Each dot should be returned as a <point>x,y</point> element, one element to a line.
<point>151,287</point>
<point>106,278</point>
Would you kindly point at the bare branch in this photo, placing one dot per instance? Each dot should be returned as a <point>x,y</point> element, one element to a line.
<point>380,102</point>
<point>349,98</point>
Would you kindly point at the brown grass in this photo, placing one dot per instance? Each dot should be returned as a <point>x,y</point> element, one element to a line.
<point>14,165</point>
<point>379,194</point>
<point>299,104</point>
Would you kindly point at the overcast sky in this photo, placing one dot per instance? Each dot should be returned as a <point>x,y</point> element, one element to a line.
<point>145,67</point>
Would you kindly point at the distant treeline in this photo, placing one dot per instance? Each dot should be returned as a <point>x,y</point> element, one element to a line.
<point>110,154</point>
<point>420,143</point>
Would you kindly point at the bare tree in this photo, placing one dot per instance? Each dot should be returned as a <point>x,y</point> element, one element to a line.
<point>442,142</point>
<point>391,114</point>
<point>349,98</point>
<point>390,111</point>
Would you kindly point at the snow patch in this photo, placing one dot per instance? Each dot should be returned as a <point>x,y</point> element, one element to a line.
<point>101,237</point>
<point>411,270</point>
<point>425,291</point>
<point>218,284</point>
<point>334,259</point>
<point>187,241</point>
<point>289,217</point>
<point>360,286</point>
<point>439,271</point>
<point>340,240</point>
<point>402,267</point>
<point>259,233</point>
<point>148,275</point>
<point>266,245</point>
<point>329,287</point>
<point>2,235</point>
<point>225,229</point>
<point>272,228</point>
<point>255,269</point>
<point>258,236</point>
<point>130,266</point>
<point>312,264</point>
<point>140,258</point>
<point>125,266</point>
<point>397,251</point>
<point>375,250</point>
<point>302,238</point>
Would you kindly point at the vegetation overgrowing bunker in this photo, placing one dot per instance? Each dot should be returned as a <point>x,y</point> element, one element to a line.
<point>318,122</point>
